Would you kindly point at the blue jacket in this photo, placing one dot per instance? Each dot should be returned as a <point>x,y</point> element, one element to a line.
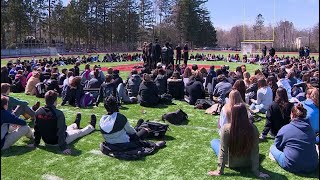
<point>312,114</point>
<point>6,119</point>
<point>297,141</point>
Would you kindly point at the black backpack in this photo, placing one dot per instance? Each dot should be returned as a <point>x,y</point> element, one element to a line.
<point>203,104</point>
<point>40,90</point>
<point>16,86</point>
<point>166,98</point>
<point>177,117</point>
<point>158,130</point>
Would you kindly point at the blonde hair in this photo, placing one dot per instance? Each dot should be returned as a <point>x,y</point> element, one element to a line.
<point>234,98</point>
<point>313,94</point>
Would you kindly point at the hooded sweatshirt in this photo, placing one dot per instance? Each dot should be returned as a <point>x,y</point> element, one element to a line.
<point>297,141</point>
<point>312,114</point>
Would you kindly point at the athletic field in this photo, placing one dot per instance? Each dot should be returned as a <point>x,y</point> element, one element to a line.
<point>188,154</point>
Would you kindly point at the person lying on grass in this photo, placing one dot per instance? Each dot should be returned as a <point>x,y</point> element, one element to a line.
<point>238,145</point>
<point>12,127</point>
<point>17,106</point>
<point>116,129</point>
<point>50,125</point>
<point>294,146</point>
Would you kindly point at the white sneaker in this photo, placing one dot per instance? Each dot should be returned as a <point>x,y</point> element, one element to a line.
<point>271,157</point>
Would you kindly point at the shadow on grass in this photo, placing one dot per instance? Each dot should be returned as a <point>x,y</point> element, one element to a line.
<point>56,149</point>
<point>314,174</point>
<point>246,172</point>
<point>15,151</point>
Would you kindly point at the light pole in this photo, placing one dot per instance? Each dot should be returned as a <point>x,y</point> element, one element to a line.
<point>160,14</point>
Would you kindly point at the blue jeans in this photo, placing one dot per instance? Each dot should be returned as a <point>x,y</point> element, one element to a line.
<point>278,156</point>
<point>215,145</point>
<point>254,106</point>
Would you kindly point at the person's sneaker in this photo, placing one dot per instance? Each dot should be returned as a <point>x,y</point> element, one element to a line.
<point>78,119</point>
<point>36,106</point>
<point>93,121</point>
<point>140,121</point>
<point>271,157</point>
<point>160,144</point>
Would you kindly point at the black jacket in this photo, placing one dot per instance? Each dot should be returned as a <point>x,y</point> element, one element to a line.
<point>276,119</point>
<point>117,80</point>
<point>161,83</point>
<point>106,90</point>
<point>175,87</point>
<point>195,91</point>
<point>53,84</point>
<point>148,94</point>
<point>50,125</point>
<point>252,90</point>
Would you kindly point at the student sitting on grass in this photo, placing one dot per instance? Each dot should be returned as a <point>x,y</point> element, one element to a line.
<point>117,131</point>
<point>194,88</point>
<point>175,86</point>
<point>148,92</point>
<point>50,125</point>
<point>225,114</point>
<point>311,104</point>
<point>264,97</point>
<point>294,147</point>
<point>278,114</point>
<point>21,107</point>
<point>239,144</point>
<point>31,84</point>
<point>12,127</point>
<point>133,83</point>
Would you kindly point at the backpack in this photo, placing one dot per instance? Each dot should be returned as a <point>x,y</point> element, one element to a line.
<point>166,98</point>
<point>203,104</point>
<point>158,130</point>
<point>16,86</point>
<point>86,100</point>
<point>40,90</point>
<point>177,117</point>
<point>132,150</point>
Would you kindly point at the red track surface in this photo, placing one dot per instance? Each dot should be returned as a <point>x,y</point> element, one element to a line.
<point>129,67</point>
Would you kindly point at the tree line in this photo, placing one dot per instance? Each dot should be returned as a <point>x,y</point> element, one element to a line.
<point>105,24</point>
<point>285,35</point>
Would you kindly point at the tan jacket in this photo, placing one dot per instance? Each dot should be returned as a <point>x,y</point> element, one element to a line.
<point>31,86</point>
<point>224,159</point>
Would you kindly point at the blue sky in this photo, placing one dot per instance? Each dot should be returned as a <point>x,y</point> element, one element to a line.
<point>227,13</point>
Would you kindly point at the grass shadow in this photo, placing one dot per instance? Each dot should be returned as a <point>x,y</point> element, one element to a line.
<point>15,151</point>
<point>56,150</point>
<point>247,173</point>
<point>314,174</point>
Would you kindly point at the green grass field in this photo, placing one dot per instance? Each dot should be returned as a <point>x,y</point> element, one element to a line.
<point>188,154</point>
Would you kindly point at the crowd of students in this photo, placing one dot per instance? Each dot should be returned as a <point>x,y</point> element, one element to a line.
<point>285,90</point>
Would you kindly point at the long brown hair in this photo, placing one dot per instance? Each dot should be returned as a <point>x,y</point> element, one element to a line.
<point>282,99</point>
<point>241,87</point>
<point>241,132</point>
<point>187,72</point>
<point>234,98</point>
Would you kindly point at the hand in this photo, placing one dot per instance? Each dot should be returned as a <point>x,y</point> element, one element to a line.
<point>67,151</point>
<point>214,173</point>
<point>252,100</point>
<point>263,176</point>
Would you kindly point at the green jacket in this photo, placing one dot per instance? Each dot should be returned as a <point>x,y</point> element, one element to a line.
<point>15,102</point>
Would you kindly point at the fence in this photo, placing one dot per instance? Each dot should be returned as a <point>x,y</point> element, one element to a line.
<point>31,52</point>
